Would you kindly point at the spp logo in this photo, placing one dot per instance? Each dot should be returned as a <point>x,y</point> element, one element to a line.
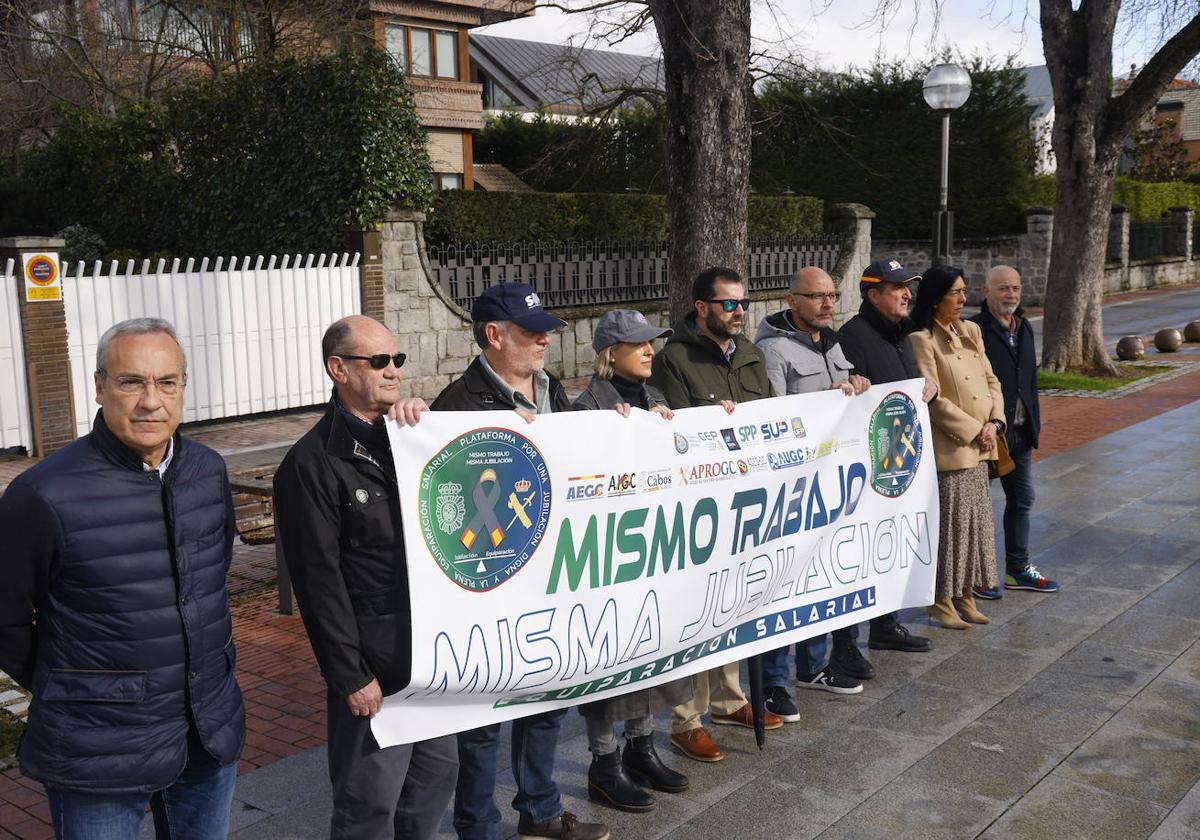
<point>774,430</point>
<point>747,434</point>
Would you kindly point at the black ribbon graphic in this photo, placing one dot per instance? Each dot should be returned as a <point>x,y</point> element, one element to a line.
<point>485,513</point>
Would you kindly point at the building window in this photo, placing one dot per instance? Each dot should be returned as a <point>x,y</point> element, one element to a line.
<point>423,52</point>
<point>447,180</point>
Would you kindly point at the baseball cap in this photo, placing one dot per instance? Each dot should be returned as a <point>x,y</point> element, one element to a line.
<point>626,325</point>
<point>516,302</point>
<point>888,271</point>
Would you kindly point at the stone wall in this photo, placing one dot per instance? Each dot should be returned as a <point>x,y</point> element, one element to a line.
<point>435,332</point>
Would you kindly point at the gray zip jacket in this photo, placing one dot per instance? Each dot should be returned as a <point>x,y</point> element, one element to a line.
<point>794,364</point>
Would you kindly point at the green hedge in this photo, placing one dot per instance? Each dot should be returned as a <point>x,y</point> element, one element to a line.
<point>284,156</point>
<point>459,216</point>
<point>1145,200</point>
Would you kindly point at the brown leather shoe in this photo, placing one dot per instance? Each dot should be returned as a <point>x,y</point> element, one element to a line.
<point>745,717</point>
<point>696,743</point>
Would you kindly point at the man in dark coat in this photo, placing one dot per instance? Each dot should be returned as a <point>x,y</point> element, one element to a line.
<point>876,343</point>
<point>1008,339</point>
<point>707,361</point>
<point>114,614</point>
<point>512,330</point>
<point>337,512</point>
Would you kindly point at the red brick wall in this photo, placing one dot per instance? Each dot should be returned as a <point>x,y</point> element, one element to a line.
<point>44,329</point>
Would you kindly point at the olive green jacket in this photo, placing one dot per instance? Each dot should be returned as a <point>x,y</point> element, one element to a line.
<point>691,370</point>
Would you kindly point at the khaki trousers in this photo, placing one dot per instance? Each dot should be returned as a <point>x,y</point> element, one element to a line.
<point>718,690</point>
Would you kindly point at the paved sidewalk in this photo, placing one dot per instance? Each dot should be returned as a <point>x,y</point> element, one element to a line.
<point>1071,716</point>
<point>1116,519</point>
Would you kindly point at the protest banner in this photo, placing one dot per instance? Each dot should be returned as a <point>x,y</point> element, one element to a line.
<point>585,555</point>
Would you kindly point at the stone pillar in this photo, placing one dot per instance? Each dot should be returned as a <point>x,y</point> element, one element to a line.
<point>1179,232</point>
<point>47,363</point>
<point>1033,251</point>
<point>853,223</point>
<point>433,330</point>
<point>1118,236</point>
<point>370,267</point>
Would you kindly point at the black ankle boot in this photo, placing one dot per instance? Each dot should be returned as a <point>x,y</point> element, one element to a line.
<point>645,767</point>
<point>608,783</point>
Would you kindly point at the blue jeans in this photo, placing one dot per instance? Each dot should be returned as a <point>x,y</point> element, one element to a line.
<point>193,807</point>
<point>1018,501</point>
<point>534,740</point>
<point>812,655</point>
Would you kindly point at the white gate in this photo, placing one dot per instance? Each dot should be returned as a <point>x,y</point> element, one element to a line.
<point>15,426</point>
<point>251,332</point>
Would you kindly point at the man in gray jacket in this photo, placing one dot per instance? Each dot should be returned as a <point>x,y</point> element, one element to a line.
<point>803,356</point>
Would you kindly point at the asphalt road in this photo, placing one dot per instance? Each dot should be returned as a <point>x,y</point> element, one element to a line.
<point>1143,317</point>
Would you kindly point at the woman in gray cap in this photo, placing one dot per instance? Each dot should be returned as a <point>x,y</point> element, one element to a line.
<point>623,341</point>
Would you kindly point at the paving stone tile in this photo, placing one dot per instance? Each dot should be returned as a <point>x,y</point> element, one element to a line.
<point>1063,715</point>
<point>1144,628</point>
<point>1178,597</point>
<point>878,757</point>
<point>1085,605</point>
<point>1136,763</point>
<point>1037,633</point>
<point>987,669</point>
<point>1183,823</point>
<point>1106,668</point>
<point>1167,708</point>
<point>998,762</point>
<point>798,812</point>
<point>913,808</point>
<point>1187,667</point>
<point>1059,809</point>
<point>927,710</point>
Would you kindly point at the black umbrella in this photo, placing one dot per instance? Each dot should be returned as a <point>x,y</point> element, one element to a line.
<point>757,699</point>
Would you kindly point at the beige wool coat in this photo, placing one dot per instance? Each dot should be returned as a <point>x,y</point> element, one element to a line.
<point>968,392</point>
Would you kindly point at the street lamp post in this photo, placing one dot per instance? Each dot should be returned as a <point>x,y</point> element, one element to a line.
<point>946,88</point>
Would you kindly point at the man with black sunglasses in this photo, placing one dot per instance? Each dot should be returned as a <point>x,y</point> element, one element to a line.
<point>337,514</point>
<point>707,361</point>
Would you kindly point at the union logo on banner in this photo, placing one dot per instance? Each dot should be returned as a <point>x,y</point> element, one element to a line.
<point>895,440</point>
<point>484,504</point>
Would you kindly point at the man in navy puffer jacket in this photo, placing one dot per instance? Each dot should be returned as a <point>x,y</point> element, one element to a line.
<point>114,613</point>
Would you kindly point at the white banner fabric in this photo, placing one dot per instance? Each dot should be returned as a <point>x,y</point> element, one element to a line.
<point>586,555</point>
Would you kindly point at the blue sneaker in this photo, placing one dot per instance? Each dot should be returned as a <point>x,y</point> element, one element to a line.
<point>1030,579</point>
<point>993,594</point>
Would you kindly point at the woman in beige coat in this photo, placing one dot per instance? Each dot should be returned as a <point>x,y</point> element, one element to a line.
<point>967,417</point>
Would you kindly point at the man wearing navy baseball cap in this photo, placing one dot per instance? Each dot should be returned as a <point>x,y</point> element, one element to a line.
<point>512,329</point>
<point>876,342</point>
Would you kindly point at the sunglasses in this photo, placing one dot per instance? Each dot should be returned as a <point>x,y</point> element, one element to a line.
<point>381,360</point>
<point>731,304</point>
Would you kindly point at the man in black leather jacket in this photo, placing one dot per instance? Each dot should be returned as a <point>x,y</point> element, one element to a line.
<point>338,518</point>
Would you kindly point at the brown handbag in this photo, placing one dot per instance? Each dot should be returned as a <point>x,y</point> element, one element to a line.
<point>1003,464</point>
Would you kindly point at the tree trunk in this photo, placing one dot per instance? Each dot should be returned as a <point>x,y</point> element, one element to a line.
<point>706,62</point>
<point>1073,327</point>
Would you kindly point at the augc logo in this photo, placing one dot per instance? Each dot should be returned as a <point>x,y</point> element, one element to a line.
<point>895,440</point>
<point>484,503</point>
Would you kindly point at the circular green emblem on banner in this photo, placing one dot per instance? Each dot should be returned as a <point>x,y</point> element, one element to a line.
<point>484,503</point>
<point>895,441</point>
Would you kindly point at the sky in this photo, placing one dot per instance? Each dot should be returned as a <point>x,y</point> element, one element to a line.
<point>835,34</point>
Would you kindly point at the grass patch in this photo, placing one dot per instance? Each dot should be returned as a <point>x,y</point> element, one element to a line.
<point>1067,381</point>
<point>10,733</point>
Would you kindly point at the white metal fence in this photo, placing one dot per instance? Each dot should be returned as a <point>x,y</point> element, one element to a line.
<point>251,329</point>
<point>15,426</point>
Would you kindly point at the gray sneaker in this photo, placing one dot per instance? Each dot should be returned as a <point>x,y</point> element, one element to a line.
<point>829,680</point>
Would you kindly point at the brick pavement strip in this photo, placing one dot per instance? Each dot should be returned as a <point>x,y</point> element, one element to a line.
<point>285,703</point>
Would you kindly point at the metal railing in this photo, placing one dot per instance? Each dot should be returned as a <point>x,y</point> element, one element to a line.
<point>1149,240</point>
<point>603,272</point>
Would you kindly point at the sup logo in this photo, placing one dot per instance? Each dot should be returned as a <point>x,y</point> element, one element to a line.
<point>484,503</point>
<point>895,441</point>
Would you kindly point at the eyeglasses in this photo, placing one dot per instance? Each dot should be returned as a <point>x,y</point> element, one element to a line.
<point>832,297</point>
<point>168,386</point>
<point>731,304</point>
<point>380,360</point>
